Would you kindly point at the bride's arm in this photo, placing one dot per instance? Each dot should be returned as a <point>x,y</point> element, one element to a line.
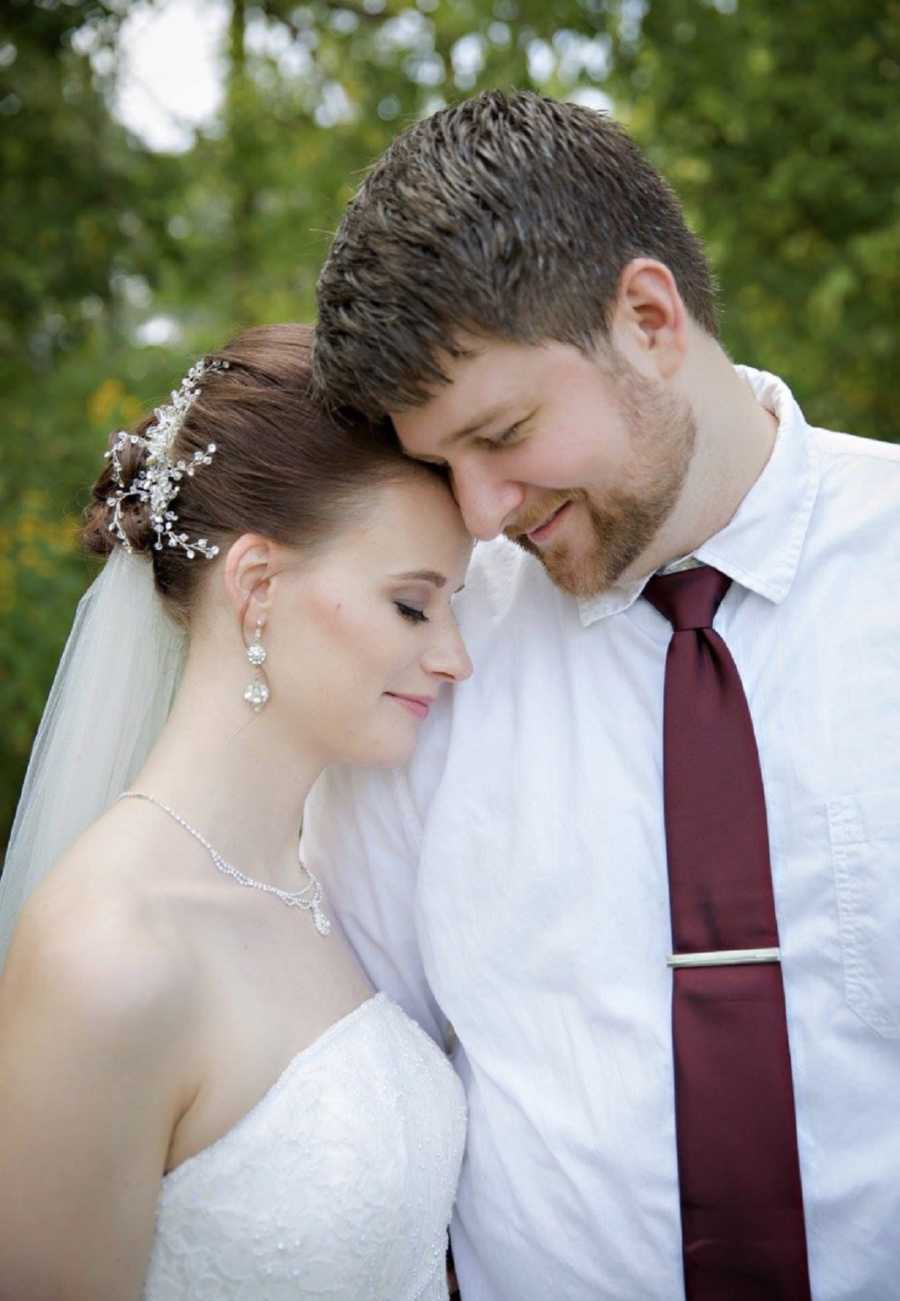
<point>91,1086</point>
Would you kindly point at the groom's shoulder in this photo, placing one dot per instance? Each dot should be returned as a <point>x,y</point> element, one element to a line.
<point>856,453</point>
<point>502,581</point>
<point>859,481</point>
<point>497,564</point>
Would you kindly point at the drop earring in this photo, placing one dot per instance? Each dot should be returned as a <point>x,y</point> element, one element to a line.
<point>256,693</point>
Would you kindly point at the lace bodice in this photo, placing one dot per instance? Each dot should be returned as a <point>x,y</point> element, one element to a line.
<point>337,1184</point>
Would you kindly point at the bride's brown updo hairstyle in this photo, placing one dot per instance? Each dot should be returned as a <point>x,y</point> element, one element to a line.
<point>282,466</point>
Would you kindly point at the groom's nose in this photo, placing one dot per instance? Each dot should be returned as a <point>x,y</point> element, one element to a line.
<point>487,504</point>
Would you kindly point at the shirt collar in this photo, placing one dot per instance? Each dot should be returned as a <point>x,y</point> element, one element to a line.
<point>760,546</point>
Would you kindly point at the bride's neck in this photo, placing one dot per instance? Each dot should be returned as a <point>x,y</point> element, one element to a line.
<point>239,777</point>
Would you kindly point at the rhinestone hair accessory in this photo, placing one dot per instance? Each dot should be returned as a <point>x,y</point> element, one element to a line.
<point>158,481</point>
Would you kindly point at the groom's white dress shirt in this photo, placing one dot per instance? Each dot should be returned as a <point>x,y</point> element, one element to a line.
<point>513,881</point>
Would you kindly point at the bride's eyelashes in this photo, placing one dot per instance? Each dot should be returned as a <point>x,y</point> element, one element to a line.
<point>410,613</point>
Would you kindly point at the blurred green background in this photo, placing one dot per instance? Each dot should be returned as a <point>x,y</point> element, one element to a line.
<point>776,120</point>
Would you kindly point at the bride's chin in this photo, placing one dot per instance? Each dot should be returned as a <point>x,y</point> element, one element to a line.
<point>387,752</point>
<point>390,756</point>
<point>370,752</point>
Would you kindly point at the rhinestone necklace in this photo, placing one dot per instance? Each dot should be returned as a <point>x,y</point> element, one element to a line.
<point>309,898</point>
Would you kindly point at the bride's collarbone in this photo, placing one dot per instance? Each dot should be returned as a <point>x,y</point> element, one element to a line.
<point>265,985</point>
<point>226,983</point>
<point>241,950</point>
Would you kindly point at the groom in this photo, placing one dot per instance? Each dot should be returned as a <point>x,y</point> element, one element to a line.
<point>669,798</point>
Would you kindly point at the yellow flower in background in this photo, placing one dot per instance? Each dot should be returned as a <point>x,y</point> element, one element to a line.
<point>34,540</point>
<point>111,404</point>
<point>104,401</point>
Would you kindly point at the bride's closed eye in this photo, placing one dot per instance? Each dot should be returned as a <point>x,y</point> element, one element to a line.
<point>410,613</point>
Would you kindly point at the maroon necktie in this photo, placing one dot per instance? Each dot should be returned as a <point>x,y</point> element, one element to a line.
<point>741,1200</point>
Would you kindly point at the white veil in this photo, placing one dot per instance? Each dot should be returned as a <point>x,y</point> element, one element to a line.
<point>109,700</point>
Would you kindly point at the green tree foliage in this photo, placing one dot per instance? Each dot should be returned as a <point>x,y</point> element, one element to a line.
<point>81,218</point>
<point>777,123</point>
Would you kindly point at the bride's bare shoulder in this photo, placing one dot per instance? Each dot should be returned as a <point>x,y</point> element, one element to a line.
<point>100,1053</point>
<point>97,942</point>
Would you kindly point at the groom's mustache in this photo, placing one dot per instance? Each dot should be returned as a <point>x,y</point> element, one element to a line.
<point>538,513</point>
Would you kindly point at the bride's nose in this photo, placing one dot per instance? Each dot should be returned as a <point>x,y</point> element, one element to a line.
<point>448,658</point>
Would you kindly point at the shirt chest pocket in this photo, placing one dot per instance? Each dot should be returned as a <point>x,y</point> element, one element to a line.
<point>864,830</point>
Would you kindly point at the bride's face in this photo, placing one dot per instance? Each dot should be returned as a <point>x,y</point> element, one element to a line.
<point>361,637</point>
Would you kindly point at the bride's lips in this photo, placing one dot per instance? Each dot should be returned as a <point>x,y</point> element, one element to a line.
<point>418,705</point>
<point>543,531</point>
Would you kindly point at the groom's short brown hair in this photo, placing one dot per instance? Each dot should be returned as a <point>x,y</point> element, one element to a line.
<point>509,216</point>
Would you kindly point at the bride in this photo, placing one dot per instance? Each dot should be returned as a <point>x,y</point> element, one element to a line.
<point>200,1094</point>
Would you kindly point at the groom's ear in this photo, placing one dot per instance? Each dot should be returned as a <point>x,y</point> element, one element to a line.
<point>250,568</point>
<point>649,320</point>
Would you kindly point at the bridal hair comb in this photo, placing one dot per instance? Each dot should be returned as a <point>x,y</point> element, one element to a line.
<point>158,481</point>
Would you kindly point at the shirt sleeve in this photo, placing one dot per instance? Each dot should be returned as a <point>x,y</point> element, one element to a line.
<point>362,836</point>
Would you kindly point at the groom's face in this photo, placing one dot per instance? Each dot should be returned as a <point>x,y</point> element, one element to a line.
<point>579,459</point>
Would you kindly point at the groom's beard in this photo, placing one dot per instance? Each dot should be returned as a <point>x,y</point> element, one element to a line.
<point>621,524</point>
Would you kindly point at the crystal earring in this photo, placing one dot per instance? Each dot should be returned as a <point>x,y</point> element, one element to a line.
<point>256,693</point>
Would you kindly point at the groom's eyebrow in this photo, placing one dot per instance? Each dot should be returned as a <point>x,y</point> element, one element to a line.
<point>425,575</point>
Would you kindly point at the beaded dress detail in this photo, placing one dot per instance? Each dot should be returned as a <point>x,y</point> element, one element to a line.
<point>339,1183</point>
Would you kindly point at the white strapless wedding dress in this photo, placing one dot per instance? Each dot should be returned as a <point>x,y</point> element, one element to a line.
<point>338,1183</point>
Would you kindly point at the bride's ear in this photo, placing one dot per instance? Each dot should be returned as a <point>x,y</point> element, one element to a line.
<point>249,571</point>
